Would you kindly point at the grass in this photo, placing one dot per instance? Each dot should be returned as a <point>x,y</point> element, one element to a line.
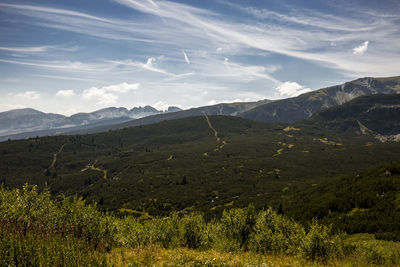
<point>158,256</point>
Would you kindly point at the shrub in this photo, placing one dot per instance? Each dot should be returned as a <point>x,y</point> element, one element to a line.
<point>275,233</point>
<point>192,230</point>
<point>318,243</point>
<point>163,231</point>
<point>236,226</point>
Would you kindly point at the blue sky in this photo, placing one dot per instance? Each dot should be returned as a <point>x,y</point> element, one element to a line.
<point>71,56</point>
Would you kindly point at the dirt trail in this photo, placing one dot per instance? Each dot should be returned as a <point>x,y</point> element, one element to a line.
<point>222,143</point>
<point>53,163</point>
<point>212,128</point>
<point>91,166</point>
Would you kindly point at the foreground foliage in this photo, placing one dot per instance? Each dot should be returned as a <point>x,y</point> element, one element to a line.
<point>36,230</point>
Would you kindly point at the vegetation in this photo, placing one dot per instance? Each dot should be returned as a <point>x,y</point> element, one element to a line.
<point>176,166</point>
<point>38,231</point>
<point>368,202</point>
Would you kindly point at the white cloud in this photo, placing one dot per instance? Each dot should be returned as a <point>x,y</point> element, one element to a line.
<point>29,95</point>
<point>360,50</point>
<point>161,105</point>
<point>103,95</point>
<point>186,58</point>
<point>65,93</point>
<point>292,89</point>
<point>122,87</point>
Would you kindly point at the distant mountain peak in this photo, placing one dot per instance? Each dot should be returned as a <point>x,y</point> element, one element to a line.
<point>173,109</point>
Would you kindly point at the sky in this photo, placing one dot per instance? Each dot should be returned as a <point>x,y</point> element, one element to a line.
<point>69,56</point>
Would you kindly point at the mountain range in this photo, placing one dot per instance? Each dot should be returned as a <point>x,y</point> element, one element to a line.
<point>29,120</point>
<point>303,106</point>
<point>25,123</point>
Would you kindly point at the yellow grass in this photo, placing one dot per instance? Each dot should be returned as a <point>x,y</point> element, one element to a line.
<point>157,256</point>
<point>290,128</point>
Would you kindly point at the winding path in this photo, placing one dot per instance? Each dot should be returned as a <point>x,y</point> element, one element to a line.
<point>91,166</point>
<point>53,163</point>
<point>222,143</point>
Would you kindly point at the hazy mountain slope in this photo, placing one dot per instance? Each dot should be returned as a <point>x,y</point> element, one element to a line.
<point>231,109</point>
<point>303,106</point>
<point>18,120</point>
<point>25,123</point>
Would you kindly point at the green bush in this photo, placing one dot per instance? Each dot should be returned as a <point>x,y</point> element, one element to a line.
<point>275,233</point>
<point>236,227</point>
<point>36,230</point>
<point>192,230</point>
<point>163,231</point>
<point>318,243</point>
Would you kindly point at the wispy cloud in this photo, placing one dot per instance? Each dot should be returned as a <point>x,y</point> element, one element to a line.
<point>297,35</point>
<point>38,49</point>
<point>150,65</point>
<point>58,77</point>
<point>33,95</point>
<point>286,39</point>
<point>64,65</point>
<point>32,49</point>
<point>53,11</point>
<point>186,57</point>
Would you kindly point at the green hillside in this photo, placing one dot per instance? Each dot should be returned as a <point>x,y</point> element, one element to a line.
<point>305,105</point>
<point>373,114</point>
<point>367,202</point>
<point>191,164</point>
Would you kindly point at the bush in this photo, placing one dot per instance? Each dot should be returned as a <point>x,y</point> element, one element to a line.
<point>318,243</point>
<point>163,231</point>
<point>275,233</point>
<point>192,230</point>
<point>236,227</point>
